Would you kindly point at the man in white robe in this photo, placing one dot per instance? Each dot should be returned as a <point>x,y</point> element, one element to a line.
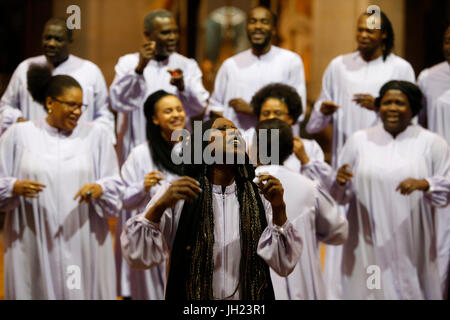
<point>349,86</point>
<point>435,85</point>
<point>156,67</point>
<point>242,75</point>
<point>54,246</point>
<point>314,215</point>
<point>17,104</point>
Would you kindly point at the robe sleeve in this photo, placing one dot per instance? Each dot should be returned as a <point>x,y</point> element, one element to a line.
<point>348,155</point>
<point>217,103</point>
<point>127,92</point>
<point>102,113</point>
<point>10,102</point>
<point>145,243</point>
<point>331,226</point>
<point>438,194</point>
<point>194,96</point>
<point>107,176</point>
<point>279,247</point>
<point>318,121</point>
<point>135,195</point>
<point>8,157</point>
<point>316,169</point>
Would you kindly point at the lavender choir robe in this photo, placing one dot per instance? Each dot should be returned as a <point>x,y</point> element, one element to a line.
<point>54,246</point>
<point>391,249</point>
<point>146,244</point>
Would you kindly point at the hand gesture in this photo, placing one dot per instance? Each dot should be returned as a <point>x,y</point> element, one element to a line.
<point>273,191</point>
<point>177,79</point>
<point>344,175</point>
<point>239,105</point>
<point>299,150</point>
<point>365,101</point>
<point>88,192</point>
<point>328,108</point>
<point>146,53</point>
<point>28,188</point>
<point>151,179</point>
<point>185,188</point>
<point>407,186</point>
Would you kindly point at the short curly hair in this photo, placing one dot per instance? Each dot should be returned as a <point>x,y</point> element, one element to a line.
<point>287,94</point>
<point>409,89</point>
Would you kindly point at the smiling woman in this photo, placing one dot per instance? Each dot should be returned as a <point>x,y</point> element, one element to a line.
<point>59,182</point>
<point>393,177</point>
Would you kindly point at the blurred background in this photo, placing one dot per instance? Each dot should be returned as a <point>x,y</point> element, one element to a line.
<point>213,30</point>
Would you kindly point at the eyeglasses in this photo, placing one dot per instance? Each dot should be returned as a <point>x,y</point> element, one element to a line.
<point>72,105</point>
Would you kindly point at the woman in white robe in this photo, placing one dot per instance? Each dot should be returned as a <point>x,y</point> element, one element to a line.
<point>314,215</point>
<point>147,165</point>
<point>393,177</point>
<point>59,182</point>
<point>220,233</point>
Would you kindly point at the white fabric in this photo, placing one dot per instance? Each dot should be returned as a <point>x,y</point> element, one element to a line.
<point>17,102</point>
<point>145,244</point>
<point>346,76</point>
<point>314,215</point>
<point>435,85</point>
<point>44,237</point>
<point>129,91</point>
<point>143,284</point>
<point>242,75</point>
<point>389,230</point>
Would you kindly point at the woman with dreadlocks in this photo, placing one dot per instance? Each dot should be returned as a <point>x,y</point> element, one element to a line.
<point>148,164</point>
<point>220,234</point>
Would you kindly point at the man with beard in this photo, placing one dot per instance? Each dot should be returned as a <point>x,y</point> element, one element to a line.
<point>435,85</point>
<point>17,104</point>
<point>242,75</point>
<point>155,67</point>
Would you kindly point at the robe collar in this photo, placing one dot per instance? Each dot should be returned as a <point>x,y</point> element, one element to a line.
<point>228,189</point>
<point>401,136</point>
<point>55,131</point>
<point>375,61</point>
<point>265,56</point>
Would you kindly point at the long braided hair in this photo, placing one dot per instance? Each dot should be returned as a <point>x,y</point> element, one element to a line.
<point>192,264</point>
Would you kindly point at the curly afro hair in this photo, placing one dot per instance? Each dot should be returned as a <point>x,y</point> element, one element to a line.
<point>287,94</point>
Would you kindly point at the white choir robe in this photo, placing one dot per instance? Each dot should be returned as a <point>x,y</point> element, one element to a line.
<point>242,75</point>
<point>315,169</point>
<point>146,244</point>
<point>17,102</point>
<point>143,284</point>
<point>435,85</point>
<point>52,240</point>
<point>129,91</point>
<point>393,232</point>
<point>315,216</point>
<point>345,76</point>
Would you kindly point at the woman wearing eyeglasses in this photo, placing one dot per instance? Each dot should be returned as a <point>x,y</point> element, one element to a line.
<point>59,182</point>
